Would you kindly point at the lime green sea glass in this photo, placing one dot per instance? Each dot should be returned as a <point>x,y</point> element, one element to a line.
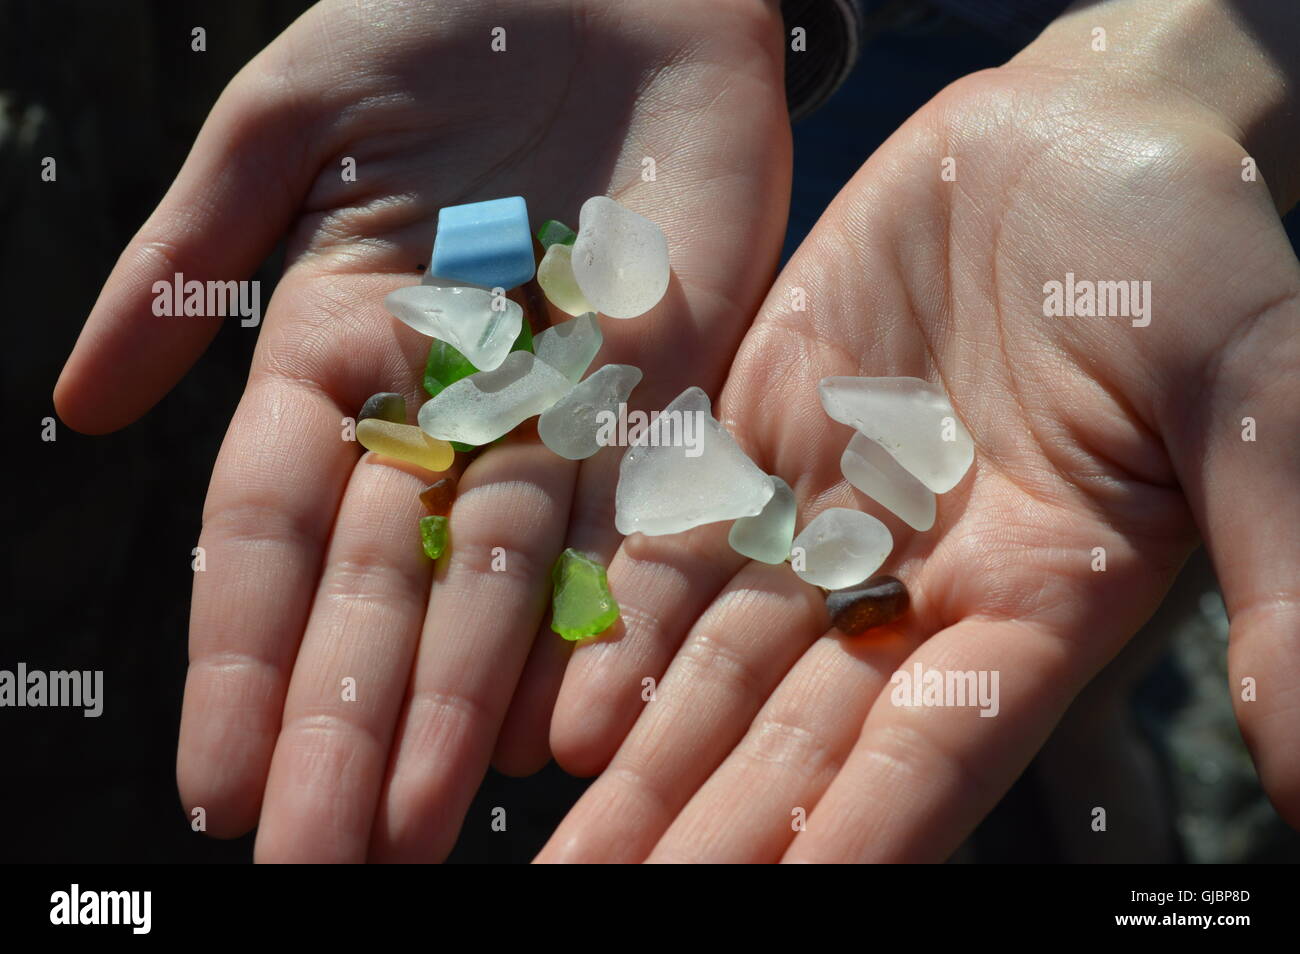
<point>433,535</point>
<point>581,604</point>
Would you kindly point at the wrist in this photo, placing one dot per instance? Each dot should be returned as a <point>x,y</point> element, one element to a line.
<point>1233,64</point>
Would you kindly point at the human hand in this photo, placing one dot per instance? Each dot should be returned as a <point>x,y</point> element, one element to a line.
<point>313,573</point>
<point>1090,433</point>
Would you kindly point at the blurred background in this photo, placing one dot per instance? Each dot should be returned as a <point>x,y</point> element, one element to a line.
<point>99,529</point>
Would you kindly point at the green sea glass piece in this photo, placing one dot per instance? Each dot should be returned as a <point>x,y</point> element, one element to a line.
<point>581,604</point>
<point>445,366</point>
<point>555,233</point>
<point>433,535</point>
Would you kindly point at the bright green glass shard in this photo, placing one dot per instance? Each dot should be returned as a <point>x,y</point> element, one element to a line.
<point>445,366</point>
<point>555,233</point>
<point>433,535</point>
<point>581,604</point>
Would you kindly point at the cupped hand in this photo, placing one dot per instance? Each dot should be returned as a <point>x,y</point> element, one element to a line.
<point>1103,444</point>
<point>341,695</point>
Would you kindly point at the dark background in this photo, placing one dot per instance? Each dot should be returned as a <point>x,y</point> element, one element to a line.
<point>99,529</point>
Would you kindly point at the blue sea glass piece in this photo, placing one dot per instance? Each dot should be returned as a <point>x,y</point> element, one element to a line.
<point>484,243</point>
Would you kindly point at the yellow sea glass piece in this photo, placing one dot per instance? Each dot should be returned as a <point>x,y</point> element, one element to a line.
<point>404,442</point>
<point>555,275</point>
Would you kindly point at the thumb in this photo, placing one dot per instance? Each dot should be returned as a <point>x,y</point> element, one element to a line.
<point>237,192</point>
<point>1241,473</point>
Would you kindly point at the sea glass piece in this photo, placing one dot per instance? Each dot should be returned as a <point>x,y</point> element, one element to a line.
<point>480,325</point>
<point>438,496</point>
<point>841,548</point>
<point>620,259</point>
<point>386,406</point>
<point>571,425</point>
<point>555,275</point>
<point>525,340</point>
<point>484,243</point>
<point>445,365</point>
<point>570,346</point>
<point>882,599</point>
<point>433,535</point>
<point>480,408</point>
<point>873,470</point>
<point>555,233</point>
<point>910,418</point>
<point>686,470</point>
<point>581,604</point>
<point>405,442</point>
<point>767,536</point>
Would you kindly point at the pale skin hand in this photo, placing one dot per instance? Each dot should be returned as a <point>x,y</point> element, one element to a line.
<point>1090,433</point>
<point>314,572</point>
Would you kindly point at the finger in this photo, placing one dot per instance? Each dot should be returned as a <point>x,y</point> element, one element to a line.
<point>274,495</point>
<point>506,532</point>
<point>789,755</point>
<point>232,200</point>
<point>730,662</point>
<point>1241,468</point>
<point>351,674</point>
<point>662,585</point>
<point>265,524</point>
<point>921,776</point>
<point>524,744</point>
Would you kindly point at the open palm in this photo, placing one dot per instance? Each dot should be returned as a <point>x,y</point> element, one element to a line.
<point>314,579</point>
<point>1090,433</point>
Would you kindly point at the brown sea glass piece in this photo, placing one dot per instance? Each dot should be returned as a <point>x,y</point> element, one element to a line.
<point>880,600</point>
<point>437,497</point>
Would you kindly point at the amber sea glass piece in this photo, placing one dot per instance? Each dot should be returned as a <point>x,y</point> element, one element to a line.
<point>880,600</point>
<point>437,497</point>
